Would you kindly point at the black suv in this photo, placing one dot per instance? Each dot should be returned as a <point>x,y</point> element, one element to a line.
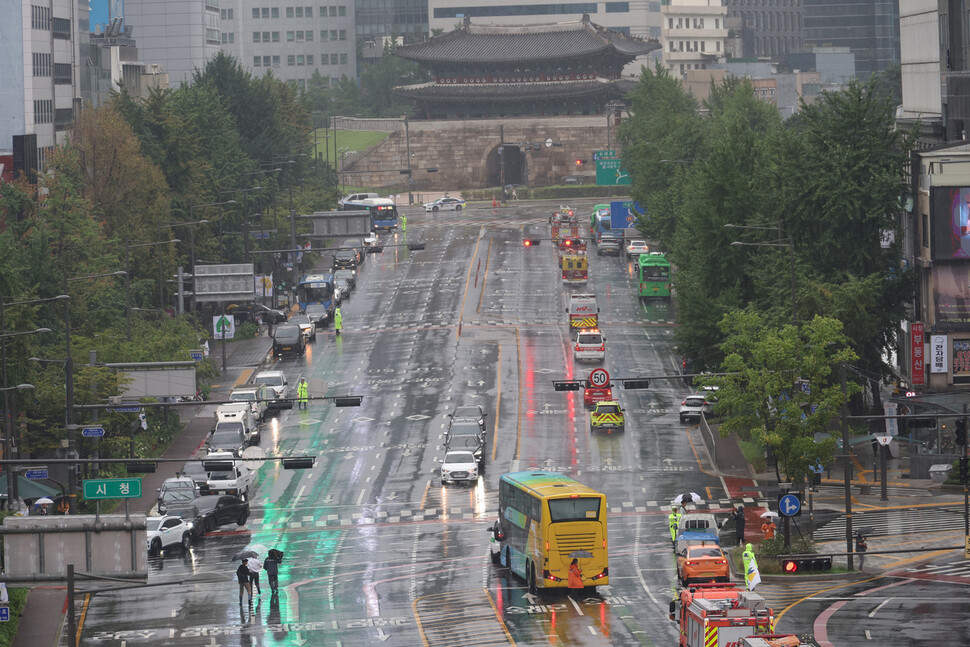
<point>288,339</point>
<point>345,258</point>
<point>214,510</point>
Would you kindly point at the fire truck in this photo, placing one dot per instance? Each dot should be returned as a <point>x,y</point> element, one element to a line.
<point>720,615</point>
<point>775,640</point>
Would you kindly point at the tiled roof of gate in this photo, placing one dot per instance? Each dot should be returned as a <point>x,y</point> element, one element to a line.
<point>502,91</point>
<point>503,44</point>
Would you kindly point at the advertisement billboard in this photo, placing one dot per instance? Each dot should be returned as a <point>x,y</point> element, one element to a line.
<point>917,358</point>
<point>951,296</point>
<point>951,223</point>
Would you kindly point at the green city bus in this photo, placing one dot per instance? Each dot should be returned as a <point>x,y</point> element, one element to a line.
<point>653,275</point>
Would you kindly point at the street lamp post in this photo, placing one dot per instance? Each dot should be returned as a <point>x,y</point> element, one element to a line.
<point>7,406</point>
<point>128,246</point>
<point>780,242</point>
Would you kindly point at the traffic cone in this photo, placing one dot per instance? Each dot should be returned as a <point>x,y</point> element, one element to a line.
<point>494,202</point>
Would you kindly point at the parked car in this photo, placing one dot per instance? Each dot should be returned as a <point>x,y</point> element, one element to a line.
<point>219,510</point>
<point>695,406</point>
<point>175,492</point>
<point>276,382</point>
<point>288,340</point>
<point>170,530</point>
<point>318,314</point>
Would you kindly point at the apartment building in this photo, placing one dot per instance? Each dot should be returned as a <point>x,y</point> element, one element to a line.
<point>693,34</point>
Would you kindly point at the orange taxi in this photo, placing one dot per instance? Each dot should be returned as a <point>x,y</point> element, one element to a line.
<point>702,564</point>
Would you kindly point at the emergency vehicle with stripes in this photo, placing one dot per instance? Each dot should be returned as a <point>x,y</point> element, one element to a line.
<point>719,615</point>
<point>606,416</point>
<point>583,311</point>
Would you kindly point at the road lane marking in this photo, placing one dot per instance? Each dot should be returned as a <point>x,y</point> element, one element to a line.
<point>296,499</point>
<point>468,276</point>
<point>576,606</point>
<point>878,606</point>
<point>360,498</point>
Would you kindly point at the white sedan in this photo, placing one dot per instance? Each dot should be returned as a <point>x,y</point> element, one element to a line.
<point>459,466</point>
<point>445,204</point>
<point>637,247</point>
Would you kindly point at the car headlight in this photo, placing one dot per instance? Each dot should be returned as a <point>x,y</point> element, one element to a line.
<point>189,524</point>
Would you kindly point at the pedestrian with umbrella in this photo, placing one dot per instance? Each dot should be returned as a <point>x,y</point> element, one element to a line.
<point>768,528</point>
<point>271,565</point>
<point>738,516</point>
<point>861,547</point>
<point>42,504</point>
<point>575,578</point>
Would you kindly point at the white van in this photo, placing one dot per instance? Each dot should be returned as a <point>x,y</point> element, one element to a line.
<point>226,475</point>
<point>356,197</point>
<point>232,415</point>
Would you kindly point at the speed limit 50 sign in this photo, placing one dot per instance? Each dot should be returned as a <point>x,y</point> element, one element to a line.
<point>599,377</point>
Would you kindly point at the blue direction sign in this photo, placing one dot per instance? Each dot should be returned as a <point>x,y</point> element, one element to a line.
<point>92,432</point>
<point>197,355</point>
<point>4,614</point>
<point>36,474</point>
<point>134,409</point>
<point>789,505</point>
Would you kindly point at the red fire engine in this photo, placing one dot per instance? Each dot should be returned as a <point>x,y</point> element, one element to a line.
<point>719,615</point>
<point>775,640</point>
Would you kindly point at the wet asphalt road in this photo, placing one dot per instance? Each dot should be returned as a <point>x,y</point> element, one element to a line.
<point>377,551</point>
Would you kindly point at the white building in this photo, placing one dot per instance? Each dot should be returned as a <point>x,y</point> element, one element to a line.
<point>292,41</point>
<point>179,35</point>
<point>41,81</point>
<point>693,34</point>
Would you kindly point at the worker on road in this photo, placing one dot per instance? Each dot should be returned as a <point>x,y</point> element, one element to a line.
<point>673,520</point>
<point>302,393</point>
<point>338,320</point>
<point>748,556</point>
<point>404,223</point>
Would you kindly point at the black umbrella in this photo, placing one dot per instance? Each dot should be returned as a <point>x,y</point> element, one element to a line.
<point>866,530</point>
<point>580,553</point>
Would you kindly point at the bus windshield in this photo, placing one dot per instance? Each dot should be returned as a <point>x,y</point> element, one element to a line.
<point>317,292</point>
<point>578,509</point>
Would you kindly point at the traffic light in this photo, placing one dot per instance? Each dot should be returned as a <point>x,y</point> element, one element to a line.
<point>570,385</point>
<point>579,162</point>
<point>636,384</point>
<point>793,565</point>
<point>347,401</point>
<point>961,431</point>
<point>298,463</point>
<point>531,242</point>
<point>140,468</point>
<point>964,470</point>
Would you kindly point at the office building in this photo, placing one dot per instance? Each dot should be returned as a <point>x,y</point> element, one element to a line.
<point>180,36</point>
<point>768,28</point>
<point>869,28</point>
<point>693,34</point>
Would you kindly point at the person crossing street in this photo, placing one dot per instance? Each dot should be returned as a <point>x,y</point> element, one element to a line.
<point>302,393</point>
<point>338,320</point>
<point>404,223</point>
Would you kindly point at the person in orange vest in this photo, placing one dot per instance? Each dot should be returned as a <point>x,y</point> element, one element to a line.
<point>768,528</point>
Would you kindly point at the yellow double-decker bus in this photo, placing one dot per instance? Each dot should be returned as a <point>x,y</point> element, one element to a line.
<point>545,521</point>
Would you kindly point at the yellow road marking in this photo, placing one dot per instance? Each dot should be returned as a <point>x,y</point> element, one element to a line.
<point>697,457</point>
<point>244,377</point>
<point>468,277</point>
<point>84,612</point>
<point>802,599</point>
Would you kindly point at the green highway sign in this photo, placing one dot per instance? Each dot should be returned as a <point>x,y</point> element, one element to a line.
<point>112,488</point>
<point>609,173</point>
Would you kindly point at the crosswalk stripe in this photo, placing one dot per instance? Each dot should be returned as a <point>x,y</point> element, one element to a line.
<point>894,522</point>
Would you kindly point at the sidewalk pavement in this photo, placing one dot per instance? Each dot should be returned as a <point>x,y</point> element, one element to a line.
<point>44,612</point>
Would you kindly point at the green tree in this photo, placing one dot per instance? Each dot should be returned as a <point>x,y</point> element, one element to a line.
<point>780,387</point>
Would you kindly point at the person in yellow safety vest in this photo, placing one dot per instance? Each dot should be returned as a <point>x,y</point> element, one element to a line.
<point>302,393</point>
<point>338,320</point>
<point>747,556</point>
<point>673,519</point>
<point>404,224</point>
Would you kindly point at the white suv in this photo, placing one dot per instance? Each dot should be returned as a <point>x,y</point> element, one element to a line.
<point>590,344</point>
<point>695,406</point>
<point>276,382</point>
<point>163,532</point>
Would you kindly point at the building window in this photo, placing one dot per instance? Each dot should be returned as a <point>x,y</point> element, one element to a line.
<point>299,12</point>
<point>309,35</point>
<point>299,36</point>
<point>324,59</point>
<point>266,61</point>
<point>334,59</point>
<point>308,12</point>
<point>323,35</point>
<point>717,23</point>
<point>333,34</point>
<point>43,111</point>
<point>342,11</point>
<point>333,11</point>
<point>290,36</point>
<point>265,11</point>
<point>289,12</point>
<point>291,60</point>
<point>343,34</point>
<point>232,37</point>
<point>256,61</point>
<point>719,46</point>
<point>276,61</point>
<point>42,64</point>
<point>276,37</point>
<point>40,18</point>
<point>702,45</point>
<point>343,59</point>
<point>617,7</point>
<point>255,36</point>
<point>309,59</point>
<point>255,13</point>
<point>225,39</point>
<point>300,60</point>
<point>63,117</point>
<point>670,23</point>
<point>275,12</point>
<point>61,27</point>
